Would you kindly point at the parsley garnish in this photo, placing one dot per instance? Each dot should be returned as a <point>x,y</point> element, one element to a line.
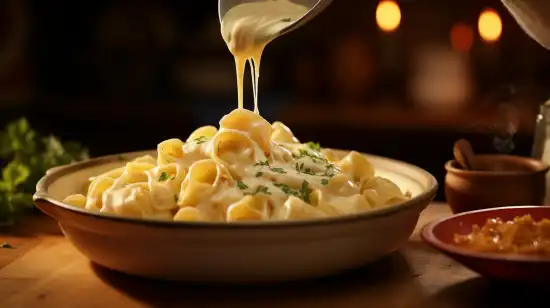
<point>324,181</point>
<point>262,189</point>
<point>241,185</point>
<point>6,246</point>
<point>305,191</point>
<point>306,153</point>
<point>315,146</point>
<point>329,170</point>
<point>286,189</point>
<point>266,163</point>
<point>262,163</point>
<point>25,156</point>
<point>163,177</point>
<point>259,174</point>
<point>287,19</point>
<point>300,168</point>
<point>199,140</point>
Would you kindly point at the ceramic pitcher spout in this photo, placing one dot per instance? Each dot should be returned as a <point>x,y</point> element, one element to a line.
<point>533,16</point>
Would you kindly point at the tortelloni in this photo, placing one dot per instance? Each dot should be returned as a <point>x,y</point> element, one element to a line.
<point>247,170</point>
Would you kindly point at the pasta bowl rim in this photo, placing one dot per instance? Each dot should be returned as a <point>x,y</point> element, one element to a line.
<point>429,236</point>
<point>41,195</point>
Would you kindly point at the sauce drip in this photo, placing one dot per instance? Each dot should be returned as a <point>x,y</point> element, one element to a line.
<point>247,28</point>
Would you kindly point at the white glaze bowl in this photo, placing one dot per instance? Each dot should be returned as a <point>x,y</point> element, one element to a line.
<point>235,252</point>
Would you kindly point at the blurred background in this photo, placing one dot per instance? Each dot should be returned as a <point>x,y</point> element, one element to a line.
<point>402,79</point>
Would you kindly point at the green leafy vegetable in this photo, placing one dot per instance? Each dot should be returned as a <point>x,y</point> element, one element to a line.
<point>262,189</point>
<point>315,146</point>
<point>262,163</point>
<point>25,157</point>
<point>324,181</point>
<point>314,156</point>
<point>329,170</point>
<point>301,169</point>
<point>278,170</point>
<point>287,189</point>
<point>201,139</point>
<point>163,177</point>
<point>305,191</point>
<point>241,185</point>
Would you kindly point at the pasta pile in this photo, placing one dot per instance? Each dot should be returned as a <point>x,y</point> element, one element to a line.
<point>247,170</point>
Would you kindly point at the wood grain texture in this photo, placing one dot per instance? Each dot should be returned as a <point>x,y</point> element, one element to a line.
<point>45,270</point>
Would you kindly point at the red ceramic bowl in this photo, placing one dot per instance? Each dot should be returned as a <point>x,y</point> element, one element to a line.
<point>521,268</point>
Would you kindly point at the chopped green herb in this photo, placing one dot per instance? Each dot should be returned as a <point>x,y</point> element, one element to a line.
<point>259,174</point>
<point>163,177</point>
<point>262,189</point>
<point>121,157</point>
<point>315,146</point>
<point>241,185</point>
<point>286,189</point>
<point>314,157</point>
<point>6,246</point>
<point>201,139</point>
<point>287,19</point>
<point>278,170</point>
<point>324,181</point>
<point>329,170</point>
<point>305,191</point>
<point>262,163</point>
<point>300,168</point>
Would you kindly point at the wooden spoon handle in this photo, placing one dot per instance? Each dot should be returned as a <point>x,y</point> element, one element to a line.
<point>464,154</point>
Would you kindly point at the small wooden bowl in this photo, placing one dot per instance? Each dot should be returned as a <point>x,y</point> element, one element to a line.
<point>520,268</point>
<point>499,180</point>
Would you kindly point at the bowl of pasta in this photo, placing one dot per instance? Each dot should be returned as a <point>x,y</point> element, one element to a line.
<point>245,202</point>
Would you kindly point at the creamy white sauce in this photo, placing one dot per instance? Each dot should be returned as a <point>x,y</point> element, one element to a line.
<point>247,28</point>
<point>241,172</point>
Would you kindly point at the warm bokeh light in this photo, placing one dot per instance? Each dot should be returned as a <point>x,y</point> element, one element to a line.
<point>388,15</point>
<point>462,37</point>
<point>489,25</point>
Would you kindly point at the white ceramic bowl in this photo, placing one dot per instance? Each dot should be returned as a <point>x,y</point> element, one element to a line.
<point>236,252</point>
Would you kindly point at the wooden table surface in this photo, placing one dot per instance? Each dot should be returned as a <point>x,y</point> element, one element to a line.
<point>45,270</point>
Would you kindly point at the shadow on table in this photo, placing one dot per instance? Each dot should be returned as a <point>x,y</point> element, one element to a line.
<point>388,282</point>
<point>32,225</point>
<point>481,292</point>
